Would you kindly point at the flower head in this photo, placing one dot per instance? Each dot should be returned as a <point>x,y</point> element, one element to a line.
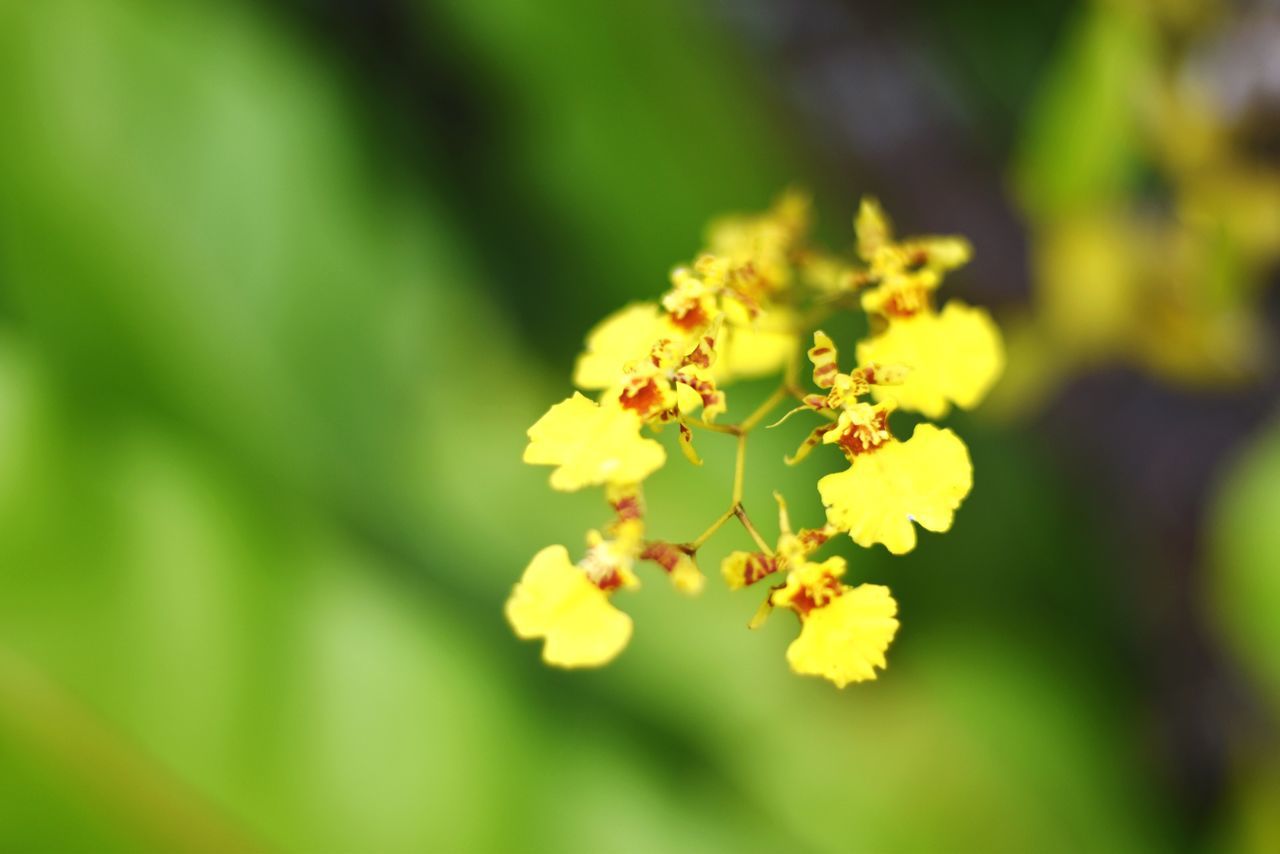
<point>889,484</point>
<point>888,258</point>
<point>761,248</point>
<point>844,631</point>
<point>741,309</point>
<point>954,356</point>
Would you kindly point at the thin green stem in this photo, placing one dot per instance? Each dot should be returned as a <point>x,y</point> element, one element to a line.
<point>730,429</point>
<point>741,513</point>
<point>739,468</point>
<point>789,388</point>
<point>770,403</point>
<point>707,534</point>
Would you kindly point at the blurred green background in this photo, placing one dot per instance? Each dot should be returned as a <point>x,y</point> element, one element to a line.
<point>283,284</point>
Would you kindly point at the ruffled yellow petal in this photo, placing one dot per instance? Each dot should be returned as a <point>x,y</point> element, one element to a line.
<point>758,348</point>
<point>554,600</point>
<point>687,399</point>
<point>622,337</point>
<point>952,357</point>
<point>922,480</point>
<point>592,444</point>
<point>845,640</point>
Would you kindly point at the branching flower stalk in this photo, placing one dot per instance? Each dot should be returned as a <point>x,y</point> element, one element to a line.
<point>745,308</point>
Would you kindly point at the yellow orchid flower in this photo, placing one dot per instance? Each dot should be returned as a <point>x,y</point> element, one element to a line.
<point>760,248</point>
<point>844,631</point>
<point>740,309</point>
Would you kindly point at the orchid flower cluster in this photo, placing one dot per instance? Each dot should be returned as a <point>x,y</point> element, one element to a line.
<point>746,308</point>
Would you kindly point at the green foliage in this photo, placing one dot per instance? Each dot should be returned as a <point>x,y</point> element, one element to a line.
<point>1080,145</point>
<point>260,499</point>
<point>1246,553</point>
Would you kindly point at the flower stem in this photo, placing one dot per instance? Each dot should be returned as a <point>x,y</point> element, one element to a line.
<point>707,534</point>
<point>739,469</point>
<point>741,513</point>
<point>780,394</point>
<point>787,389</point>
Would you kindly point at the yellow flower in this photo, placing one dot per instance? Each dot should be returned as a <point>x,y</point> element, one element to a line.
<point>845,639</point>
<point>667,386</point>
<point>902,294</point>
<point>844,631</point>
<point>759,247</point>
<point>555,600</point>
<point>737,310</point>
<point>608,561</point>
<point>858,426</point>
<point>592,444</point>
<point>861,427</point>
<point>894,484</point>
<point>755,340</point>
<point>952,357</point>
<point>902,275</point>
<point>810,585</point>
<point>671,385</point>
<point>621,338</point>
<point>756,347</point>
<point>693,302</point>
<point>888,258</point>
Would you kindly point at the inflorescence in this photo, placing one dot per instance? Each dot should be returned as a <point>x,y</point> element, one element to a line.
<point>746,308</point>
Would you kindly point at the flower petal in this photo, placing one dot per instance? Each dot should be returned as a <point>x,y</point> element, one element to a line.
<point>555,600</point>
<point>845,640</point>
<point>883,491</point>
<point>592,444</point>
<point>741,569</point>
<point>872,228</point>
<point>758,348</point>
<point>953,357</point>
<point>622,337</point>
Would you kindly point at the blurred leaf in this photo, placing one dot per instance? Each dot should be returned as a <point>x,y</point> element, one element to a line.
<point>1081,137</point>
<point>1246,561</point>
